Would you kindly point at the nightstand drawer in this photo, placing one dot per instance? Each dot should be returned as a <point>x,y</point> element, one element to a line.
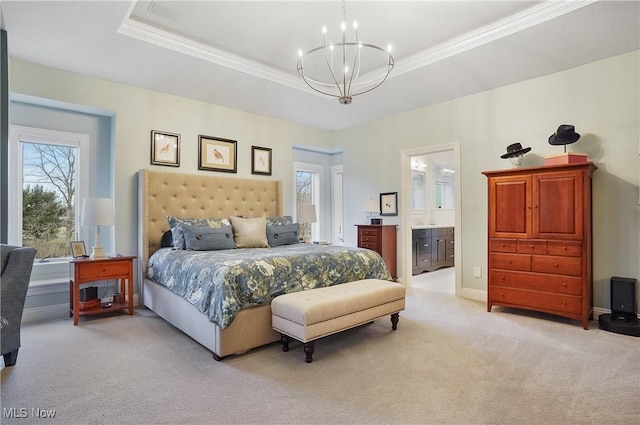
<point>369,245</point>
<point>102,271</point>
<point>369,239</point>
<point>369,231</point>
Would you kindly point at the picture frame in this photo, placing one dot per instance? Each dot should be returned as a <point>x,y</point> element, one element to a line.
<point>261,160</point>
<point>389,203</point>
<point>165,148</point>
<point>216,154</point>
<point>78,249</point>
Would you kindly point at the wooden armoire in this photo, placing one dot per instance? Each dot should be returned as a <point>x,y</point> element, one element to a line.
<point>540,239</point>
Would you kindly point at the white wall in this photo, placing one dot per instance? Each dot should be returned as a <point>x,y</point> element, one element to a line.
<point>600,99</point>
<point>138,111</point>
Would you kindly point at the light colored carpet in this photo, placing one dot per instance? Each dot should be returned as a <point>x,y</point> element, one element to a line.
<point>449,362</point>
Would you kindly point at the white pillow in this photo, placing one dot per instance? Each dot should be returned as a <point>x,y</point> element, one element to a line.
<point>250,232</point>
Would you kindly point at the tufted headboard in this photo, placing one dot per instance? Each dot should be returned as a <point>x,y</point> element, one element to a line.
<point>197,196</point>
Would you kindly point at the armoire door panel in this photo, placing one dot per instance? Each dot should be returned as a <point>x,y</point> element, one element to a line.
<point>511,215</point>
<point>557,205</point>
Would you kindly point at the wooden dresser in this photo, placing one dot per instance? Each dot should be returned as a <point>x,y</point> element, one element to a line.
<point>540,239</point>
<point>380,238</point>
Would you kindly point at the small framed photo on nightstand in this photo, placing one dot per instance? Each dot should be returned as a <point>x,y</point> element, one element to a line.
<point>78,250</point>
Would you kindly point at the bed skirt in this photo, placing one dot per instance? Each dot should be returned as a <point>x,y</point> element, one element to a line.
<point>251,327</point>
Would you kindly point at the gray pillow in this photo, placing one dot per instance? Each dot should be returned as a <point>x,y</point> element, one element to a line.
<point>208,238</point>
<point>282,235</point>
<point>175,224</point>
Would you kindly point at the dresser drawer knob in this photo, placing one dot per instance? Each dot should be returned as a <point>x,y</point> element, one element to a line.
<point>564,247</point>
<point>564,284</point>
<point>564,303</point>
<point>503,245</point>
<point>502,294</point>
<point>555,264</point>
<point>531,246</point>
<point>502,277</point>
<point>510,261</point>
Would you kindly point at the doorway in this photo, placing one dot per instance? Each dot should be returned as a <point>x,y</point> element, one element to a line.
<point>442,181</point>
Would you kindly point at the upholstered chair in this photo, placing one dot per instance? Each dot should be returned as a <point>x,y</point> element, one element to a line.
<point>16,264</point>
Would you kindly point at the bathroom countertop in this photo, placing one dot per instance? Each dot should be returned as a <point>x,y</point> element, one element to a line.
<point>428,226</point>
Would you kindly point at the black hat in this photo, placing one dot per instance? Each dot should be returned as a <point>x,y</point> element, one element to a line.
<point>565,135</point>
<point>515,149</point>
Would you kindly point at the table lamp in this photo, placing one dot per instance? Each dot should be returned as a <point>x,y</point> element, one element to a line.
<point>307,215</point>
<point>97,212</point>
<point>372,207</point>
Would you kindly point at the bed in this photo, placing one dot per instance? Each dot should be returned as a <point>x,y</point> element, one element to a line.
<point>247,324</point>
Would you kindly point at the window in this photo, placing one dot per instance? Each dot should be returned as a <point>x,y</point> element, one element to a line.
<point>47,169</point>
<point>308,179</point>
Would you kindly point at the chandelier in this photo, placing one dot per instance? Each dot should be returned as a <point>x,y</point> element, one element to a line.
<point>347,68</point>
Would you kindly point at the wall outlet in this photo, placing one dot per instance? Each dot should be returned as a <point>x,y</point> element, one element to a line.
<point>477,271</point>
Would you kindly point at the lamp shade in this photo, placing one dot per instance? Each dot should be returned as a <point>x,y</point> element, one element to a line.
<point>307,213</point>
<point>97,212</point>
<point>372,206</point>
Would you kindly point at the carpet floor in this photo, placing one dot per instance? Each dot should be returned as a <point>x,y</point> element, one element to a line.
<point>449,362</point>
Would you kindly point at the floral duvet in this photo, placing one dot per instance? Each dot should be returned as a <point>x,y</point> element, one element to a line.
<point>220,283</point>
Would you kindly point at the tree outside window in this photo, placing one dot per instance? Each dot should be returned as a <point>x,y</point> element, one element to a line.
<point>48,198</point>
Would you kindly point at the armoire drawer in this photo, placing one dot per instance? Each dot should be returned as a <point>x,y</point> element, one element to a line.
<point>510,261</point>
<point>544,301</point>
<point>503,245</point>
<point>532,246</point>
<point>556,265</point>
<point>565,248</point>
<point>536,281</point>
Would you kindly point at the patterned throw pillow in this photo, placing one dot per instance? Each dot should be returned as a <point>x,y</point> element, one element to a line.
<point>282,235</point>
<point>280,220</point>
<point>175,224</point>
<point>250,232</point>
<point>208,238</point>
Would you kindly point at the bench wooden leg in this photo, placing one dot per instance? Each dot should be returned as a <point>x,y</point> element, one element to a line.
<point>394,320</point>
<point>285,342</point>
<point>308,349</point>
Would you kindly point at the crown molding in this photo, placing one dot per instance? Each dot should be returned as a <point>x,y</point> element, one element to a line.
<point>158,37</point>
<point>531,17</point>
<point>519,22</point>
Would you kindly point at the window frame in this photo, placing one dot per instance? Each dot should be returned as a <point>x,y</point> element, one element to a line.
<point>55,269</point>
<point>316,192</point>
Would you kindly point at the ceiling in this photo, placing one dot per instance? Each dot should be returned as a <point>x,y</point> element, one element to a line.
<point>243,54</point>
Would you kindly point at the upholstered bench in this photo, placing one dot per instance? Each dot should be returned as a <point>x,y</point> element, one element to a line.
<point>309,315</point>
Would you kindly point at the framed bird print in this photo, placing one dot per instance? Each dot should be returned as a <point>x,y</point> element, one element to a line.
<point>389,203</point>
<point>260,160</point>
<point>165,148</point>
<point>215,154</point>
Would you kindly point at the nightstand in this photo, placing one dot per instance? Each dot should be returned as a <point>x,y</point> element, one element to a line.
<point>90,270</point>
<point>380,238</point>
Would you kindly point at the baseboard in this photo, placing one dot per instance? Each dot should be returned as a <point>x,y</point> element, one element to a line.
<point>57,311</point>
<point>49,312</point>
<point>474,294</point>
<point>597,311</point>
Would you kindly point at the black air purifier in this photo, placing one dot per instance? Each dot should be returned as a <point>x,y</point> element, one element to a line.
<point>623,318</point>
